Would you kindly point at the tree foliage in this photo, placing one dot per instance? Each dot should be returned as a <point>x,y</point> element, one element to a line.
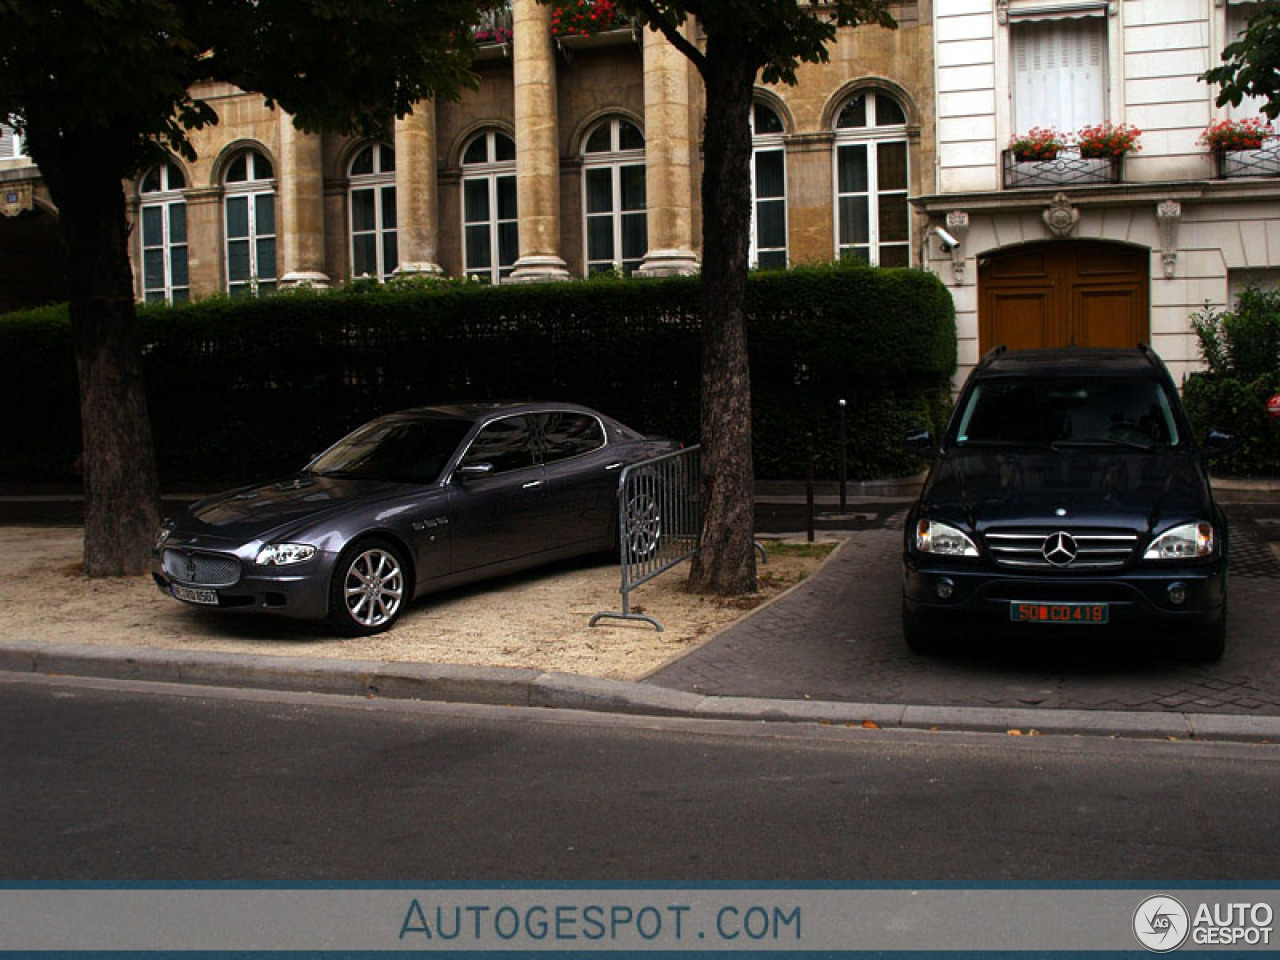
<point>126,68</point>
<point>100,87</point>
<point>776,37</point>
<point>1251,64</point>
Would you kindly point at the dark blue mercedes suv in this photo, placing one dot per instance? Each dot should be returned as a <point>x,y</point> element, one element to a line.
<point>1067,496</point>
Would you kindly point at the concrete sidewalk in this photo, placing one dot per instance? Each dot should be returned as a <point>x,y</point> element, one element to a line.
<point>531,688</point>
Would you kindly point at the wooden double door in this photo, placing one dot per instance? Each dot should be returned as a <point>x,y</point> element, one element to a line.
<point>1064,293</point>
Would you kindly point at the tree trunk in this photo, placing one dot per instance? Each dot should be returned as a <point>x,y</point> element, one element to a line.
<point>118,457</point>
<point>725,562</point>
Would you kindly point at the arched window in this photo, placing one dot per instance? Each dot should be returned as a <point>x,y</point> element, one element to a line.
<point>163,216</point>
<point>768,190</point>
<point>491,236</point>
<point>613,189</point>
<point>250,220</point>
<point>872,220</point>
<point>371,198</point>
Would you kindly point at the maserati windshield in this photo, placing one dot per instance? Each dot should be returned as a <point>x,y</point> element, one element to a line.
<point>395,448</point>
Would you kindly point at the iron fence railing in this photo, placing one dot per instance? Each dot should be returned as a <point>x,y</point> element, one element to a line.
<point>1068,169</point>
<point>659,522</point>
<point>1263,162</point>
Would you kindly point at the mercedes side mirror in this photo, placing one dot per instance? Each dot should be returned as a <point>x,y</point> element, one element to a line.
<point>921,444</point>
<point>1218,442</point>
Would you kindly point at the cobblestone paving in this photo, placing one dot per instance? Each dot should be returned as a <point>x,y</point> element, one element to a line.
<point>838,637</point>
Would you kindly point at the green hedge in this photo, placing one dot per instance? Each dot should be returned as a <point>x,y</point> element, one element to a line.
<point>1241,349</point>
<point>249,388</point>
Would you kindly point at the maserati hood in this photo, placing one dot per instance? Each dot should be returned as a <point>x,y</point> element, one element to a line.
<point>250,512</point>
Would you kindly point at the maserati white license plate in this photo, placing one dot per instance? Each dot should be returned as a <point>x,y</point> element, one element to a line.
<point>194,595</point>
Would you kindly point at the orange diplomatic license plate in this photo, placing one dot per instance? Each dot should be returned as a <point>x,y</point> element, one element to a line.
<point>1059,612</point>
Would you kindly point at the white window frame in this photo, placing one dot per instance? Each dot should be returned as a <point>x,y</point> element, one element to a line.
<point>168,197</point>
<point>492,172</point>
<point>616,160</point>
<point>766,143</point>
<point>1090,107</point>
<point>1235,18</point>
<point>16,148</point>
<point>872,137</point>
<point>250,189</point>
<point>380,183</point>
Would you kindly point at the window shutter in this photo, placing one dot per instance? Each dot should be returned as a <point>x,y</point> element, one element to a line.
<point>8,142</point>
<point>1059,73</point>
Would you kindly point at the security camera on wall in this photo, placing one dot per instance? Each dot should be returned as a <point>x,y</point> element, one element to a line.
<point>948,242</point>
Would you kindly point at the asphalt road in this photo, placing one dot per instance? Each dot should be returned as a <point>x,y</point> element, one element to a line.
<point>105,780</point>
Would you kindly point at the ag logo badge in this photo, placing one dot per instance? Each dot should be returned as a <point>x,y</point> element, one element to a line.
<point>1161,924</point>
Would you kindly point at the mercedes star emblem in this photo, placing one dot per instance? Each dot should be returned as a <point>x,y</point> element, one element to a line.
<point>1060,549</point>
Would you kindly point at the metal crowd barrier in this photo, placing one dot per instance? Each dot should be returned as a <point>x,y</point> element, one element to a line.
<point>659,522</point>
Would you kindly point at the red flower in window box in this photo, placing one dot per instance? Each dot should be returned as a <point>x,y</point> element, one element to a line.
<point>1108,140</point>
<point>1237,134</point>
<point>1037,144</point>
<point>582,18</point>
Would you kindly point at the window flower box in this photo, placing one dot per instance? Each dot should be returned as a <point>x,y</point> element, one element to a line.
<point>1236,135</point>
<point>1066,168</point>
<point>494,32</point>
<point>1243,148</point>
<point>1262,162</point>
<point>585,18</point>
<point>1106,140</point>
<point>1037,145</point>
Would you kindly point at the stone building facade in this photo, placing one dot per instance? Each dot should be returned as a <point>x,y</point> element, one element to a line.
<point>31,259</point>
<point>580,153</point>
<point>1081,250</point>
<point>573,154</point>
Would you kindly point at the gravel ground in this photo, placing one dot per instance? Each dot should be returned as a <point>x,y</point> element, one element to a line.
<point>535,620</point>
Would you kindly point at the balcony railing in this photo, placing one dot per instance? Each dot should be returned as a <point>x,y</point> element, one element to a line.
<point>1263,162</point>
<point>1068,169</point>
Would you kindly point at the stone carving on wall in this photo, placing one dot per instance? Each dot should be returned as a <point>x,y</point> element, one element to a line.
<point>1168,218</point>
<point>1060,216</point>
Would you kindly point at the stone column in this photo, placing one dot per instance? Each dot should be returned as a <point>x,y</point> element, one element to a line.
<point>301,229</point>
<point>537,146</point>
<point>206,251</point>
<point>668,150</point>
<point>417,199</point>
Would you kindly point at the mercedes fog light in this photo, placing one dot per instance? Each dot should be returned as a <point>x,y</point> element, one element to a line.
<point>1177,594</point>
<point>944,588</point>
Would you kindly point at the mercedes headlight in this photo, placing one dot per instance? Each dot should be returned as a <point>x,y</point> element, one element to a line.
<point>943,540</point>
<point>283,554</point>
<point>1187,542</point>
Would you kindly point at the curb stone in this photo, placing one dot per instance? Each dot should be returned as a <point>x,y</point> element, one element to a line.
<point>500,686</point>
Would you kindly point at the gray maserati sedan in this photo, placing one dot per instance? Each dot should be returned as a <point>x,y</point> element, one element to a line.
<point>409,503</point>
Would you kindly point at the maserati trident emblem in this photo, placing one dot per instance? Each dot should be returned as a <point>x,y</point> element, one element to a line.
<point>1060,549</point>
<point>191,568</point>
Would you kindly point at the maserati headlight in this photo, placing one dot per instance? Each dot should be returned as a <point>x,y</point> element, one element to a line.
<point>162,534</point>
<point>1187,542</point>
<point>944,540</point>
<point>283,554</point>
